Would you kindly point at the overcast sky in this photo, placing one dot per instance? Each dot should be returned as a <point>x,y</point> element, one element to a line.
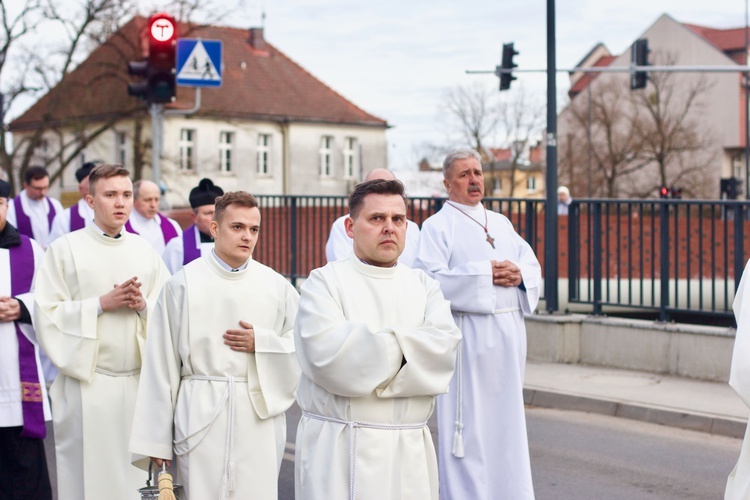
<point>395,58</point>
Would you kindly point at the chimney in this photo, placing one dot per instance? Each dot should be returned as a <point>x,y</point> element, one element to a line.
<point>256,39</point>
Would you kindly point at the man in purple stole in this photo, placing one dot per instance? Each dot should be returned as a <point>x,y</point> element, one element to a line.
<point>196,241</point>
<point>24,408</point>
<point>79,215</point>
<point>145,219</point>
<point>32,211</point>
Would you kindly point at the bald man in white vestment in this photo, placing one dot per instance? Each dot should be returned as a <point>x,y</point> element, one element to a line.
<point>376,343</point>
<point>738,483</point>
<point>145,219</point>
<point>220,369</point>
<point>492,279</point>
<point>94,294</point>
<point>339,244</point>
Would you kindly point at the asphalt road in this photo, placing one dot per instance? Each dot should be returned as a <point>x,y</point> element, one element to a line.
<point>589,456</point>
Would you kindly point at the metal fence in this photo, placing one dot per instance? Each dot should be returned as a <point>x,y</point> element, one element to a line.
<point>668,257</point>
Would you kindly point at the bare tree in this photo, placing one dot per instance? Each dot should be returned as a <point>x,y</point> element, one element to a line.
<point>473,115</point>
<point>600,131</point>
<point>521,119</point>
<point>85,26</point>
<point>673,142</point>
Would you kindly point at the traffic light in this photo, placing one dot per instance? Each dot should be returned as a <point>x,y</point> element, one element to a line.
<point>676,193</point>
<point>507,64</point>
<point>639,57</point>
<point>730,187</point>
<point>158,70</point>
<point>663,192</point>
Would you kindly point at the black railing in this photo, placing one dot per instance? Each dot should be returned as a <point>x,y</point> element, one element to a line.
<point>671,257</point>
<point>667,257</point>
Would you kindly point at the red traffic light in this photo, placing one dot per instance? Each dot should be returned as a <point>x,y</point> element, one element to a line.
<point>162,28</point>
<point>664,192</point>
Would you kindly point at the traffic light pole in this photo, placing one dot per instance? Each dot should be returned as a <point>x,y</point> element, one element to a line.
<point>550,214</point>
<point>157,129</point>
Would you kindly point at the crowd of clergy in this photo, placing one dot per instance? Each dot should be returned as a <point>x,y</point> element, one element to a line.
<point>174,348</point>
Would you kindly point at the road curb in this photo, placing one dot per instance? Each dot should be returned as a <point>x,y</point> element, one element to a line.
<point>673,417</point>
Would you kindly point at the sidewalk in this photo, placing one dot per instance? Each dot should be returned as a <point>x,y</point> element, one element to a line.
<point>711,407</point>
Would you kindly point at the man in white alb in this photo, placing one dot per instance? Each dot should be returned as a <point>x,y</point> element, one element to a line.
<point>738,483</point>
<point>94,293</point>
<point>32,211</point>
<point>146,221</point>
<point>492,279</point>
<point>220,369</point>
<point>339,244</point>
<point>79,215</point>
<point>376,343</point>
<point>196,240</point>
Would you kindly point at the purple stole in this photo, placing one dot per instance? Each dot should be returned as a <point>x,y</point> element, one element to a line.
<point>167,229</point>
<point>76,221</point>
<point>22,266</point>
<point>190,249</point>
<point>23,222</point>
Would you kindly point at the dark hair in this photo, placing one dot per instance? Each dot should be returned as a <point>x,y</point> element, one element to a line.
<point>105,171</point>
<point>34,174</point>
<point>241,198</point>
<point>377,186</point>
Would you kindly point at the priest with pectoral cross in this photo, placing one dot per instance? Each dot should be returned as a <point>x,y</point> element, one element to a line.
<point>492,279</point>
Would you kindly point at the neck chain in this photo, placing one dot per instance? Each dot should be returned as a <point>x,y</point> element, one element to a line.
<point>490,239</point>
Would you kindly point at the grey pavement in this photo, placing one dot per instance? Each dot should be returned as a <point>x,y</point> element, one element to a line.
<point>698,405</point>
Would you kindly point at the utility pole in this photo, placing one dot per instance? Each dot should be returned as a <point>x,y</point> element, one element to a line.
<point>550,214</point>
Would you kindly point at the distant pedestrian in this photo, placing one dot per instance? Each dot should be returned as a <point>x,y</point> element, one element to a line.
<point>492,279</point>
<point>32,211</point>
<point>563,200</point>
<point>376,343</point>
<point>25,407</point>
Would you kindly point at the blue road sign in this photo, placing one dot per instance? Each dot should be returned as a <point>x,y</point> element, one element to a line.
<point>198,62</point>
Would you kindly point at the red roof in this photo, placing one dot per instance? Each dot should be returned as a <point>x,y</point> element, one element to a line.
<point>727,40</point>
<point>587,78</point>
<point>259,82</point>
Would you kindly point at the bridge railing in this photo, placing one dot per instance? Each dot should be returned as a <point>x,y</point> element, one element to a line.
<point>664,256</point>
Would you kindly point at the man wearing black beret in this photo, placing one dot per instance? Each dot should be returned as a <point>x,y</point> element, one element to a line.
<point>196,240</point>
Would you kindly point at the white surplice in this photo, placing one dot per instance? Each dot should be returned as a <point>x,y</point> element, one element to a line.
<point>227,407</point>
<point>61,224</point>
<point>98,355</point>
<point>486,395</point>
<point>340,245</point>
<point>174,252</point>
<point>11,408</point>
<point>150,229</point>
<point>376,345</point>
<point>738,483</point>
<point>37,211</point>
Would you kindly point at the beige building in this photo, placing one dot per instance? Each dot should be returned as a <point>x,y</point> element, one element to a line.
<point>271,128</point>
<point>701,133</point>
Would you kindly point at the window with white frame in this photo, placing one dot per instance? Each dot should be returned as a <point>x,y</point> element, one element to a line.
<point>326,156</point>
<point>187,149</point>
<point>121,148</point>
<point>531,183</point>
<point>226,143</point>
<point>350,157</point>
<point>263,154</point>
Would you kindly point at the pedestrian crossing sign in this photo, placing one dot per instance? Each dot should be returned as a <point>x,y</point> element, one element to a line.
<point>198,62</point>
